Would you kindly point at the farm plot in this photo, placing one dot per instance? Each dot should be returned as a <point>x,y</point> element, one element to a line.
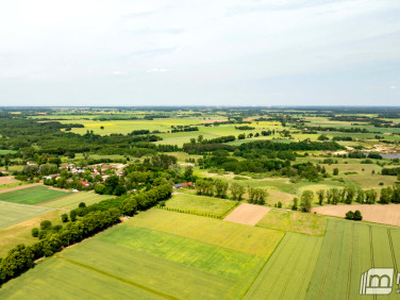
<point>72,201</point>
<point>348,250</point>
<point>388,214</point>
<point>200,205</point>
<point>20,233</point>
<point>287,273</point>
<point>32,195</point>
<point>7,180</point>
<point>248,214</point>
<point>11,213</point>
<point>294,221</point>
<point>65,280</point>
<point>247,239</point>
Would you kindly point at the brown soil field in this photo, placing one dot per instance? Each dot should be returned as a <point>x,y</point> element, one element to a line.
<point>7,179</point>
<point>248,214</point>
<point>378,213</point>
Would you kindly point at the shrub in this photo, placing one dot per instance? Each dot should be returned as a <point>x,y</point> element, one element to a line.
<point>64,218</point>
<point>44,225</point>
<point>35,232</point>
<point>355,216</point>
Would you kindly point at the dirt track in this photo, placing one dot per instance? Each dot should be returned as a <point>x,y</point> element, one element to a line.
<point>385,214</point>
<point>248,214</point>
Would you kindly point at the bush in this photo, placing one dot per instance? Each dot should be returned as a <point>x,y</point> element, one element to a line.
<point>355,216</point>
<point>44,225</point>
<point>72,215</point>
<point>35,232</point>
<point>64,218</point>
<point>82,204</point>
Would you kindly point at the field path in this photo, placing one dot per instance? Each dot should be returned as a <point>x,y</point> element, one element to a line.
<point>378,213</point>
<point>248,214</point>
<point>20,187</point>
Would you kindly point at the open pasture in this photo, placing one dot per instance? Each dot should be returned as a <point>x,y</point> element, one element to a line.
<point>32,195</point>
<point>348,250</point>
<point>72,201</point>
<point>247,239</point>
<point>12,213</point>
<point>287,273</point>
<point>294,221</point>
<point>200,204</point>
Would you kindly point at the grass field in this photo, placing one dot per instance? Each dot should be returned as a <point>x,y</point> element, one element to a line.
<point>287,273</point>
<point>9,185</point>
<point>200,205</point>
<point>203,256</point>
<point>21,233</point>
<point>11,213</point>
<point>72,201</point>
<point>32,195</point>
<point>247,239</point>
<point>348,250</point>
<point>65,280</point>
<point>152,263</point>
<point>294,221</point>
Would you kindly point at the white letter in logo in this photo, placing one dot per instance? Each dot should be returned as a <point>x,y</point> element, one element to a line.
<point>377,281</point>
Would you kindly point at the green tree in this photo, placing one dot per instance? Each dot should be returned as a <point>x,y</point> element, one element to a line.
<point>336,171</point>
<point>44,225</point>
<point>64,218</point>
<point>72,215</point>
<point>306,200</point>
<point>237,191</point>
<point>295,201</point>
<point>35,232</point>
<point>321,196</point>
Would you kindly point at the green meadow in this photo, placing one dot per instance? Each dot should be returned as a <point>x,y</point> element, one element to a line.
<point>32,195</point>
<point>200,205</point>
<point>12,213</point>
<point>72,201</point>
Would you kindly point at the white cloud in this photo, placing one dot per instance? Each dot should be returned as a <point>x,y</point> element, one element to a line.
<point>392,87</point>
<point>120,73</point>
<point>158,70</point>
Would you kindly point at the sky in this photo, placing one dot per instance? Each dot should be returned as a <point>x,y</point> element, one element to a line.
<point>175,52</point>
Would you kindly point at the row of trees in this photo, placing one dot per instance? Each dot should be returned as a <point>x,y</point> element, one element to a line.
<point>220,188</point>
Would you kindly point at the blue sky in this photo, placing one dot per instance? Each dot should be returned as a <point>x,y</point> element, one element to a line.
<point>123,52</point>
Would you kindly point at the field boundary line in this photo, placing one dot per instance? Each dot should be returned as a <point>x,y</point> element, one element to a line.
<point>263,266</point>
<point>350,263</point>
<point>117,278</point>
<point>321,288</point>
<point>371,251</point>
<point>395,266</point>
